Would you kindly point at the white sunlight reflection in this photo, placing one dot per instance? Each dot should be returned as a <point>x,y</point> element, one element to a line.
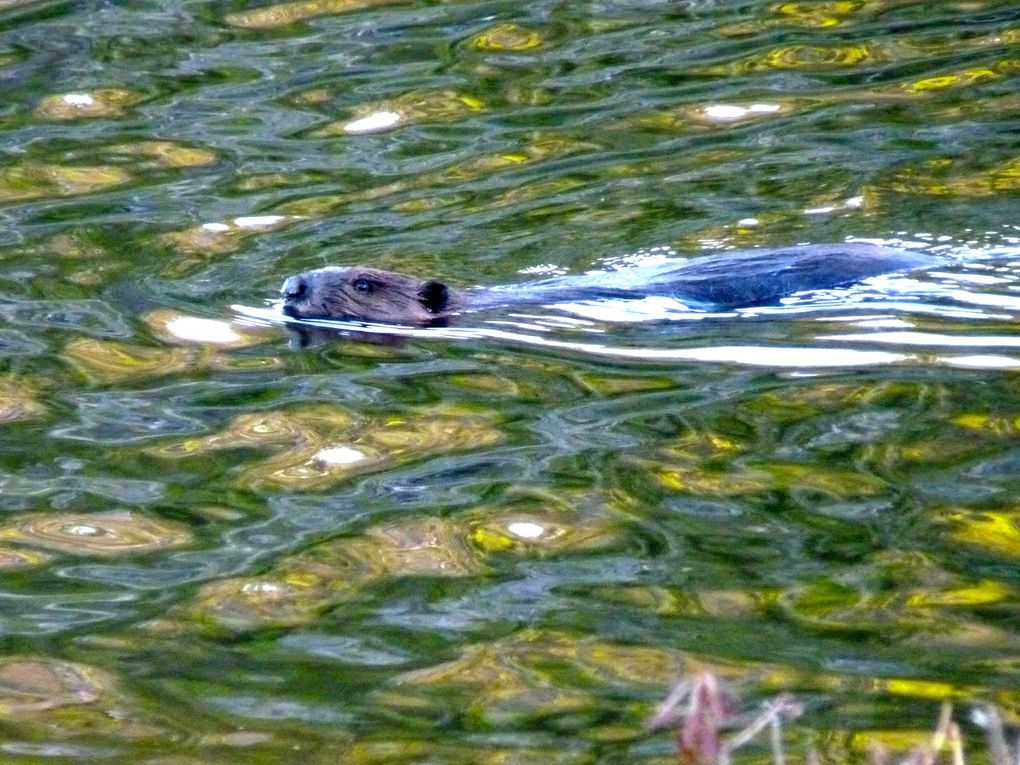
<point>781,357</point>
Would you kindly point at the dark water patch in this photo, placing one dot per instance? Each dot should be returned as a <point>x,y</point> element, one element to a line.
<point>13,343</point>
<point>110,418</point>
<point>86,316</point>
<point>66,488</point>
<point>37,615</point>
<point>352,650</point>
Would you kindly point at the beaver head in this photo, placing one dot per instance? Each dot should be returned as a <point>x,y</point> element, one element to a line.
<point>365,294</point>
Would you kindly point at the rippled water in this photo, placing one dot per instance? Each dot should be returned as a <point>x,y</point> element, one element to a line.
<point>498,541</point>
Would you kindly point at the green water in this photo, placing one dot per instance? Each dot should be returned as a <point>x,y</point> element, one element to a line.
<point>503,541</point>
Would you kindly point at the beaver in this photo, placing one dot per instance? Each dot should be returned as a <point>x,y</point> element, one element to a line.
<point>720,281</point>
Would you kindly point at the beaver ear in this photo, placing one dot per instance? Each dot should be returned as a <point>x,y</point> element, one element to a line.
<point>434,296</point>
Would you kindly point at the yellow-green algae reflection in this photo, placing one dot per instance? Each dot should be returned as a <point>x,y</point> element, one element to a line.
<point>945,177</point>
<point>105,102</point>
<point>111,361</point>
<point>996,531</point>
<point>80,709</point>
<point>523,677</point>
<point>711,464</point>
<point>194,247</point>
<point>822,14</point>
<point>34,180</point>
<point>904,594</point>
<point>507,37</point>
<point>282,14</point>
<point>110,533</point>
<point>300,587</point>
<point>46,700</point>
<point>194,344</point>
<point>303,586</point>
<point>16,559</point>
<point>813,57</point>
<point>408,109</point>
<point>163,154</point>
<point>36,685</point>
<point>18,400</point>
<point>328,444</point>
<point>549,148</point>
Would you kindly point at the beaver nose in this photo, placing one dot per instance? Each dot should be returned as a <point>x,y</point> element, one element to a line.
<point>295,288</point>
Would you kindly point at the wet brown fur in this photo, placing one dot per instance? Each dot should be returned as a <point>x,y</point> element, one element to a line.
<point>367,294</point>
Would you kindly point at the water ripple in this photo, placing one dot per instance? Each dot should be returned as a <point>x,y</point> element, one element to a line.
<point>523,518</point>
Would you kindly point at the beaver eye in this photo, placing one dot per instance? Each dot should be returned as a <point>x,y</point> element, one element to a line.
<point>362,285</point>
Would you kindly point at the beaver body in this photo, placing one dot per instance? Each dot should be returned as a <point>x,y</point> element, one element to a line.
<point>720,281</point>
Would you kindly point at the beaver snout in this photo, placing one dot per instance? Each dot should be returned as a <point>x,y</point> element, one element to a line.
<point>295,288</point>
<point>294,291</point>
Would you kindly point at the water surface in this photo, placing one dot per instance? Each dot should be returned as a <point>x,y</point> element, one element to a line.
<point>499,541</point>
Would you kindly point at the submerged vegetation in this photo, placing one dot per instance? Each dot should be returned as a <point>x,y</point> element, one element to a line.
<point>708,729</point>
